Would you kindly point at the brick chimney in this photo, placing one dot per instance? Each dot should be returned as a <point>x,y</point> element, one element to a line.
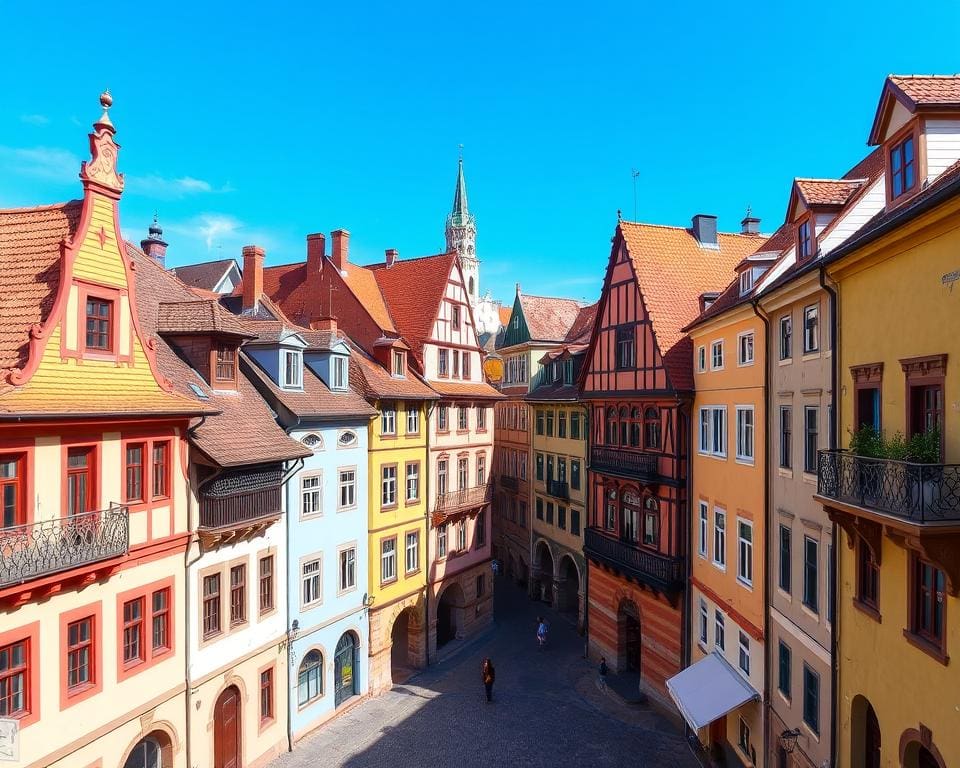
<point>325,324</point>
<point>341,248</point>
<point>705,229</point>
<point>392,255</point>
<point>316,249</point>
<point>252,275</point>
<point>154,246</point>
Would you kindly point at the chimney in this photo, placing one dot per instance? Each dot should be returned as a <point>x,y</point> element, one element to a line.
<point>316,249</point>
<point>750,225</point>
<point>392,255</point>
<point>705,229</point>
<point>252,276</point>
<point>154,246</point>
<point>325,324</point>
<point>341,248</point>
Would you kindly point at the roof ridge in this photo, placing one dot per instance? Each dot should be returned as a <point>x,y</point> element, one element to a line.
<point>35,208</point>
<point>552,298</point>
<point>829,181</point>
<point>926,77</point>
<point>288,264</point>
<point>685,229</point>
<point>381,265</point>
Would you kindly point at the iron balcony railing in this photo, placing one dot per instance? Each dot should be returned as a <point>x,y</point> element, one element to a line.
<point>558,488</point>
<point>624,463</point>
<point>653,568</point>
<point>466,498</point>
<point>509,483</point>
<point>51,546</point>
<point>240,508</point>
<point>919,493</point>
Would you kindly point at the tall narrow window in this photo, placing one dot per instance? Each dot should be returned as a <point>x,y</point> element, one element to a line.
<point>745,349</point>
<point>745,551</point>
<point>463,475</point>
<point>745,433</point>
<point>412,552</point>
<point>340,376</point>
<point>310,582</point>
<point>704,621</point>
<point>442,477</point>
<point>786,337</point>
<point>786,436</point>
<point>134,472</point>
<point>348,569</point>
<point>811,329</point>
<point>481,418</point>
<point>719,537</point>
<point>480,530</point>
<point>160,476</point>
<point>292,369</point>
<point>456,364</point>
<point>266,695</point>
<point>868,576</point>
<point>388,419</point>
<point>80,481</point>
<point>442,362</point>
<point>455,317</point>
<point>311,488</point>
<point>348,488</point>
<point>804,240</point>
<point>399,364</point>
<point>784,684</point>
<point>12,498</point>
<point>902,168</point>
<point>413,419</point>
<point>811,699</point>
<point>15,675</point>
<point>211,605</point>
<point>928,586</point>
<point>463,419</point>
<point>744,653</point>
<point>786,559</point>
<point>442,541</point>
<point>626,347</point>
<point>266,584</point>
<point>238,594</point>
<point>226,367</point>
<point>99,325</point>
<point>80,656</point>
<point>811,418</point>
<point>133,640</point>
<point>481,470</point>
<point>160,639</point>
<point>413,482</point>
<point>466,366</point>
<point>388,486</point>
<point>719,630</point>
<point>704,523</point>
<point>716,355</point>
<point>811,574</point>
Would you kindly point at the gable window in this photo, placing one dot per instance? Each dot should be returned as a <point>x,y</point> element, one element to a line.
<point>745,552</point>
<point>786,337</point>
<point>804,240</point>
<point>339,364</point>
<point>348,488</point>
<point>399,364</point>
<point>442,362</point>
<point>413,420</point>
<point>99,325</point>
<point>903,168</point>
<point>226,367</point>
<point>746,281</point>
<point>786,436</point>
<point>12,497</point>
<point>811,329</point>
<point>745,349</point>
<point>716,355</point>
<point>292,369</point>
<point>388,419</point>
<point>626,347</point>
<point>701,359</point>
<point>455,317</point>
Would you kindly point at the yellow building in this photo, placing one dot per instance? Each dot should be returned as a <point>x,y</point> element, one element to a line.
<point>398,511</point>
<point>897,500</point>
<point>93,479</point>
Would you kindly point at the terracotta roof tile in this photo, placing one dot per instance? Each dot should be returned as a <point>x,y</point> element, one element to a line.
<point>549,318</point>
<point>204,275</point>
<point>579,332</point>
<point>374,382</point>
<point>198,316</point>
<point>929,90</point>
<point>466,389</point>
<point>827,192</point>
<point>363,283</point>
<point>504,313</point>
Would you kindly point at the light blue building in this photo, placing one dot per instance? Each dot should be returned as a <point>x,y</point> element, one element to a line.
<point>304,375</point>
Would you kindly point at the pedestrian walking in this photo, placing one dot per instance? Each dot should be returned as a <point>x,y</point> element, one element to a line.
<point>603,673</point>
<point>488,675</point>
<point>541,632</point>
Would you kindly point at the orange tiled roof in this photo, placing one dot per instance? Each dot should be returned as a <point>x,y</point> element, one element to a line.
<point>198,316</point>
<point>363,283</point>
<point>465,389</point>
<point>373,381</point>
<point>549,318</point>
<point>929,90</point>
<point>505,314</point>
<point>827,192</point>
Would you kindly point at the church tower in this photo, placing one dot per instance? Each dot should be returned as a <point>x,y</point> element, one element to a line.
<point>462,237</point>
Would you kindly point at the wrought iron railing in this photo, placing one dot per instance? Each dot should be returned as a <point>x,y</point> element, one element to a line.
<point>652,568</point>
<point>240,508</point>
<point>623,462</point>
<point>558,488</point>
<point>466,498</point>
<point>920,493</point>
<point>509,483</point>
<point>51,546</point>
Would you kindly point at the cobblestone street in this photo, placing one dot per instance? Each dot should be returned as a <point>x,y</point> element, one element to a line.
<point>547,710</point>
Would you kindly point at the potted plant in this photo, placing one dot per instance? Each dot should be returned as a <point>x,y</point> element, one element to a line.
<point>923,449</point>
<point>866,444</point>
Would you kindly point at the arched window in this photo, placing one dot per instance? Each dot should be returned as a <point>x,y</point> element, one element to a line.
<point>146,754</point>
<point>624,426</point>
<point>310,678</point>
<point>630,516</point>
<point>651,428</point>
<point>611,426</point>
<point>635,428</point>
<point>651,522</point>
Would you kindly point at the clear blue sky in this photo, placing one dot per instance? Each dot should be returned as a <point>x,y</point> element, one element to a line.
<point>260,124</point>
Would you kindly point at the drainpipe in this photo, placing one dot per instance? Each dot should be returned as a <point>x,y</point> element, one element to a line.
<point>584,480</point>
<point>835,562</point>
<point>297,467</point>
<point>192,501</point>
<point>426,513</point>
<point>767,519</point>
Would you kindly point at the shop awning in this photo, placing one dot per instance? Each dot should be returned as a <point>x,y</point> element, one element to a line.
<point>707,690</point>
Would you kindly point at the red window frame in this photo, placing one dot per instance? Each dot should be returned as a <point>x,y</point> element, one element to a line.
<point>265,584</point>
<point>160,469</point>
<point>868,578</point>
<point>73,502</point>
<point>15,486</point>
<point>238,594</point>
<point>98,324</point>
<point>928,609</point>
<point>134,637</point>
<point>160,625</point>
<point>78,646</point>
<point>134,474</point>
<point>21,670</point>
<point>160,612</point>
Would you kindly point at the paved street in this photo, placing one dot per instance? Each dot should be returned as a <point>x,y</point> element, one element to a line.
<point>547,711</point>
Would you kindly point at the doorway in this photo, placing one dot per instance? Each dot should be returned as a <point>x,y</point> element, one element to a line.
<point>449,614</point>
<point>345,668</point>
<point>226,730</point>
<point>628,620</point>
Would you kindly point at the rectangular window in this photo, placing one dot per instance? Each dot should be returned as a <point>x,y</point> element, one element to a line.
<point>575,474</point>
<point>704,621</point>
<point>867,407</point>
<point>442,541</point>
<point>719,630</point>
<point>413,482</point>
<point>310,581</point>
<point>388,487</point>
<point>266,695</point>
<point>713,431</point>
<point>161,470</point>
<point>348,568</point>
<point>745,432</point>
<point>133,639</point>
<point>388,560</point>
<point>466,366</point>
<point>99,325</point>
<point>550,416</point>
<point>539,508</point>
<point>15,691</point>
<point>719,537</point>
<point>786,559</point>
<point>811,574</point>
<point>455,318</point>
<point>442,358</point>
<point>463,421</point>
<point>562,424</point>
<point>786,337</point>
<point>701,359</point>
<point>481,470</point>
<point>785,670</point>
<point>745,349</point>
<point>311,494</point>
<point>811,419</point>
<point>388,419</point>
<point>441,476</point>
<point>811,699</point>
<point>480,530</point>
<point>462,474</point>
<point>348,488</point>
<point>743,738</point>
<point>811,329</point>
<point>462,536</point>
<point>339,371</point>
<point>804,240</point>
<point>868,576</point>
<point>413,420</point>
<point>412,552</point>
<point>903,174</point>
<point>550,465</point>
<point>745,551</point>
<point>292,369</point>
<point>134,472</point>
<point>626,348</point>
<point>80,656</point>
<point>160,639</point>
<point>928,589</point>
<point>704,524</point>
<point>523,465</point>
<point>716,355</point>
<point>550,512</point>
<point>562,517</point>
<point>456,364</point>
<point>575,521</point>
<point>238,594</point>
<point>443,418</point>
<point>610,519</point>
<point>481,585</point>
<point>539,474</point>
<point>399,364</point>
<point>744,653</point>
<point>226,367</point>
<point>540,417</point>
<point>574,425</point>
<point>786,436</point>
<point>481,418</point>
<point>211,605</point>
<point>266,584</point>
<point>12,495</point>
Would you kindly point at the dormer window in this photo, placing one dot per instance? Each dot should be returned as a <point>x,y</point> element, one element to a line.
<point>226,363</point>
<point>399,364</point>
<point>516,322</point>
<point>338,376</point>
<point>746,281</point>
<point>568,371</point>
<point>99,325</point>
<point>903,168</point>
<point>292,368</point>
<point>804,240</point>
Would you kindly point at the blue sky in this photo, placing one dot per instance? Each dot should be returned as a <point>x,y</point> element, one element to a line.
<point>262,123</point>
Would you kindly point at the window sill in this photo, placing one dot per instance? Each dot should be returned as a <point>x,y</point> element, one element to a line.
<point>743,461</point>
<point>389,507</point>
<point>927,647</point>
<point>351,508</point>
<point>266,613</point>
<point>410,574</point>
<point>265,723</point>
<point>412,502</point>
<point>785,472</point>
<point>809,478</point>
<point>389,436</point>
<point>785,361</point>
<point>745,364</point>
<point>810,612</point>
<point>411,434</point>
<point>748,585</point>
<point>868,609</point>
<point>811,355</point>
<point>388,582</point>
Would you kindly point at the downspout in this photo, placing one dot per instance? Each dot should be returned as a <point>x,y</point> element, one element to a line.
<point>767,522</point>
<point>287,574</point>
<point>428,412</point>
<point>586,521</point>
<point>835,562</point>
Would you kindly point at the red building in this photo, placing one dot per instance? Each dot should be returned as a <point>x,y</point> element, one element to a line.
<point>638,382</point>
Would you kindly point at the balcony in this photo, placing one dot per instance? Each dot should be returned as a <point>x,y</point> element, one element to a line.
<point>466,499</point>
<point>51,546</point>
<point>241,509</point>
<point>623,463</point>
<point>509,483</point>
<point>558,488</point>
<point>652,568</point>
<point>919,494</point>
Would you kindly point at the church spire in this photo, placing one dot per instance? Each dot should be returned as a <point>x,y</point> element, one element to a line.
<point>461,233</point>
<point>460,193</point>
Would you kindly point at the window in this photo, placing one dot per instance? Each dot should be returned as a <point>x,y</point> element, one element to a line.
<point>610,520</point>
<point>540,416</point>
<point>311,494</point>
<point>811,329</point>
<point>15,691</point>
<point>388,486</point>
<point>539,508</point>
<point>574,521</point>
<point>12,495</point>
<point>746,281</point>
<point>310,678</point>
<point>266,695</point>
<point>134,472</point>
<point>743,737</point>
<point>745,433</point>
<point>347,439</point>
<point>442,541</point>
<point>704,523</point>
<point>480,529</point>
<point>463,420</point>
<point>463,468</point>
<point>161,470</point>
<point>811,574</point>
<point>744,653</point>
<point>348,569</point>
<point>811,699</point>
<point>651,429</point>
<point>310,582</point>
<point>811,417</point>
<point>455,318</point>
<point>562,517</point>
<point>442,365</point>
<point>388,419</point>
<point>413,482</point>
<point>626,347</point>
<point>550,465</point>
<point>461,536</point>
<point>466,366</point>
<point>226,366</point>
<point>575,474</point>
<point>160,639</point>
<point>562,424</point>
<point>133,640</point>
<point>868,576</point>
<point>745,349</point>
<point>745,551</point>
<point>651,523</point>
<point>481,418</point>
<point>481,585</point>
<point>867,407</point>
<point>719,537</point>
<point>211,605</point>
<point>713,431</point>
<point>388,560</point>
<point>99,325</point>
<point>348,488</point>
<point>413,552</point>
<point>716,355</point>
<point>399,364</point>
<point>902,169</point>
<point>574,425</point>
<point>340,380</point>
<point>704,621</point>
<point>238,594</point>
<point>81,671</point>
<point>550,416</point>
<point>786,337</point>
<point>701,359</point>
<point>786,436</point>
<point>550,512</point>
<point>441,476</point>
<point>804,240</point>
<point>481,469</point>
<point>784,670</point>
<point>539,473</point>
<point>292,369</point>
<point>443,415</point>
<point>413,420</point>
<point>523,465</point>
<point>786,559</point>
<point>719,630</point>
<point>456,364</point>
<point>266,584</point>
<point>561,469</point>
<point>928,596</point>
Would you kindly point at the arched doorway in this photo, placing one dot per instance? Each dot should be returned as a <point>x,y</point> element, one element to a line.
<point>915,755</point>
<point>544,573</point>
<point>629,646</point>
<point>226,729</point>
<point>403,651</point>
<point>145,754</point>
<point>569,597</point>
<point>345,669</point>
<point>449,614</point>
<point>865,734</point>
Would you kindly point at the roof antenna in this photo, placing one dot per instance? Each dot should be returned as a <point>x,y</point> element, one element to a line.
<point>636,175</point>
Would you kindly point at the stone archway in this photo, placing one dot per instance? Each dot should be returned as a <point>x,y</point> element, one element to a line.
<point>568,586</point>
<point>154,750</point>
<point>405,645</point>
<point>450,614</point>
<point>544,573</point>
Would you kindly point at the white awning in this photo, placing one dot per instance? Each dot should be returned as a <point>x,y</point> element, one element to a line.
<point>707,690</point>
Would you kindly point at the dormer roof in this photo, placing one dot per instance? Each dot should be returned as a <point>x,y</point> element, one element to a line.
<point>930,93</point>
<point>829,194</point>
<point>198,317</point>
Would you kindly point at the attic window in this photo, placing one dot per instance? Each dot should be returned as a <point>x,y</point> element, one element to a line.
<point>226,365</point>
<point>338,367</point>
<point>804,240</point>
<point>568,371</point>
<point>292,368</point>
<point>199,392</point>
<point>399,364</point>
<point>746,281</point>
<point>455,318</point>
<point>99,325</point>
<point>516,321</point>
<point>313,441</point>
<point>347,439</point>
<point>903,168</point>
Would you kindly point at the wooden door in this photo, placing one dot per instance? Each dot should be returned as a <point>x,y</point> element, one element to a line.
<point>226,730</point>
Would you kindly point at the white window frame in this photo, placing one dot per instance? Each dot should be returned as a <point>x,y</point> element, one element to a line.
<point>413,420</point>
<point>720,537</point>
<point>701,358</point>
<point>351,570</point>
<point>462,536</point>
<point>297,356</point>
<point>702,545</point>
<point>312,491</point>
<point>710,434</point>
<point>386,558</point>
<point>807,349</point>
<point>745,342</point>
<point>339,377</point>
<point>719,629</point>
<point>314,579</point>
<point>346,486</point>
<point>746,281</point>
<point>716,351</point>
<point>388,420</point>
<point>704,622</point>
<point>412,551</point>
<point>744,552</point>
<point>442,541</point>
<point>412,475</point>
<point>786,320</point>
<point>388,486</point>
<point>746,432</point>
<point>743,656</point>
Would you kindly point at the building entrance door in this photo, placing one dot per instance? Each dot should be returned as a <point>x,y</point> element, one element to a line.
<point>226,730</point>
<point>344,667</point>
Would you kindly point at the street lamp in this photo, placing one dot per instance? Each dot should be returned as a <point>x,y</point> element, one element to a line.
<point>788,740</point>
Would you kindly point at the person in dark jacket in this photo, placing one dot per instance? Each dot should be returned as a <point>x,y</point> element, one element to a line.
<point>489,675</point>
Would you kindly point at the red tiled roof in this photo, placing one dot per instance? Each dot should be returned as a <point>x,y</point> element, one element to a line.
<point>364,285</point>
<point>466,389</point>
<point>30,271</point>
<point>204,275</point>
<point>826,192</point>
<point>579,332</point>
<point>373,381</point>
<point>549,318</point>
<point>198,316</point>
<point>929,90</point>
